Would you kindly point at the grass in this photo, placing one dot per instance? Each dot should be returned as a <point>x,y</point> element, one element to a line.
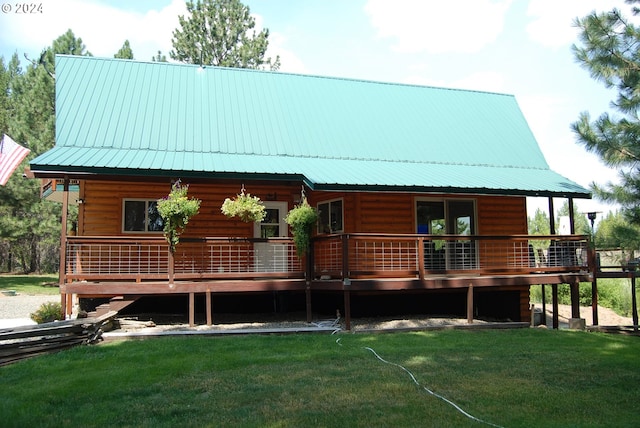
<point>513,378</point>
<point>30,284</point>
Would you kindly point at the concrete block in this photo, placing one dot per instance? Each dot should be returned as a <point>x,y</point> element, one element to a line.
<point>577,323</point>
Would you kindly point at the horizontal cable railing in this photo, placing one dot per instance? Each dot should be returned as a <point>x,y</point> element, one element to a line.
<point>334,256</point>
<point>353,255</point>
<point>148,258</point>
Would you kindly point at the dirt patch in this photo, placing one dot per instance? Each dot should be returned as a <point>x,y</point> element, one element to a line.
<point>606,316</point>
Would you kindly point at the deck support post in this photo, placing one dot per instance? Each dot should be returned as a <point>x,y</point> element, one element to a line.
<point>470,304</point>
<point>575,299</point>
<point>634,302</point>
<point>309,275</point>
<point>554,303</point>
<point>208,303</point>
<point>63,246</point>
<point>171,267</point>
<point>192,309</point>
<point>544,306</point>
<point>593,264</point>
<point>347,304</point>
<point>307,293</point>
<point>594,301</point>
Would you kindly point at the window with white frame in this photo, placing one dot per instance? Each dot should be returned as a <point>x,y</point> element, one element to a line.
<point>330,216</point>
<point>141,215</point>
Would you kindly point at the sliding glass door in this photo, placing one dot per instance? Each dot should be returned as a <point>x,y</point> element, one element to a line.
<point>450,217</point>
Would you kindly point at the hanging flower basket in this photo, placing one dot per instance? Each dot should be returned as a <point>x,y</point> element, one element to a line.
<point>176,209</point>
<point>244,206</point>
<point>301,219</point>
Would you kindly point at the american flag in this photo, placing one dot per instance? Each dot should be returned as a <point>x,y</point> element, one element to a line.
<point>11,154</point>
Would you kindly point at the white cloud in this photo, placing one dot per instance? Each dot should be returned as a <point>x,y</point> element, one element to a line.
<point>438,26</point>
<point>552,23</point>
<point>103,28</point>
<point>291,63</point>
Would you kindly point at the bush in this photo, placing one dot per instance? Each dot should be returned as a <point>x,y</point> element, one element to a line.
<point>50,311</point>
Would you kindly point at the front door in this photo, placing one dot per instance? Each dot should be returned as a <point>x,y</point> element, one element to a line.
<point>271,256</point>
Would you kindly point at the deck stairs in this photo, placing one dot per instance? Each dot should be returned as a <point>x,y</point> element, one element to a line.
<point>115,304</point>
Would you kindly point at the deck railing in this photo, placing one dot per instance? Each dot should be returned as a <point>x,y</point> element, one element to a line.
<point>334,256</point>
<point>108,258</point>
<point>374,255</point>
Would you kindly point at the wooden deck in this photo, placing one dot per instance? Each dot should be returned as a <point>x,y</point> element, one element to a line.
<point>344,263</point>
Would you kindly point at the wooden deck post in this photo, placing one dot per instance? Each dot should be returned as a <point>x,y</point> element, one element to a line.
<point>421,268</point>
<point>470,304</point>
<point>208,303</point>
<point>308,302</point>
<point>575,299</point>
<point>170,261</point>
<point>347,308</point>
<point>544,306</point>
<point>554,302</point>
<point>309,275</point>
<point>63,246</point>
<point>592,262</point>
<point>192,309</point>
<point>634,303</point>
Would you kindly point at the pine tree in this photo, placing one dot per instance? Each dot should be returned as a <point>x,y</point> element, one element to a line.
<point>125,51</point>
<point>609,48</point>
<point>221,32</point>
<point>29,225</point>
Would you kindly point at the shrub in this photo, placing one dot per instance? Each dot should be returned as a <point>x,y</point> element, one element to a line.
<point>50,311</point>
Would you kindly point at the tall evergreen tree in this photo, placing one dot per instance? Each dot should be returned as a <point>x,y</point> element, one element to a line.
<point>159,57</point>
<point>221,32</point>
<point>30,226</point>
<point>609,48</point>
<point>125,51</point>
<point>615,232</point>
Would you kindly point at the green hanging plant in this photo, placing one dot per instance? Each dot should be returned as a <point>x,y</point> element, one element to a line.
<point>176,209</point>
<point>244,206</point>
<point>301,219</point>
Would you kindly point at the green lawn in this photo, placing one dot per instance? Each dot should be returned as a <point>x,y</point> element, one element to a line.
<point>30,284</point>
<point>510,378</point>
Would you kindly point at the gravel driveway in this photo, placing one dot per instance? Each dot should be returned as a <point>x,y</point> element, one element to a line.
<point>15,310</point>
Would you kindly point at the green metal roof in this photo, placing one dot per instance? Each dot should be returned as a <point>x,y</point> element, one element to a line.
<point>144,118</point>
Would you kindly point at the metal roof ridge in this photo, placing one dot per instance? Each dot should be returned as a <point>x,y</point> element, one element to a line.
<point>281,73</point>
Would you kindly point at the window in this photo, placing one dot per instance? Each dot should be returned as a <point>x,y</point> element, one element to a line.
<point>140,215</point>
<point>330,216</point>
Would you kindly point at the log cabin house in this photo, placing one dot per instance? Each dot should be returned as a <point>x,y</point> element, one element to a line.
<point>421,191</point>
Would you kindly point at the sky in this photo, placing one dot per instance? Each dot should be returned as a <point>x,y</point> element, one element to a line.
<point>517,47</point>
